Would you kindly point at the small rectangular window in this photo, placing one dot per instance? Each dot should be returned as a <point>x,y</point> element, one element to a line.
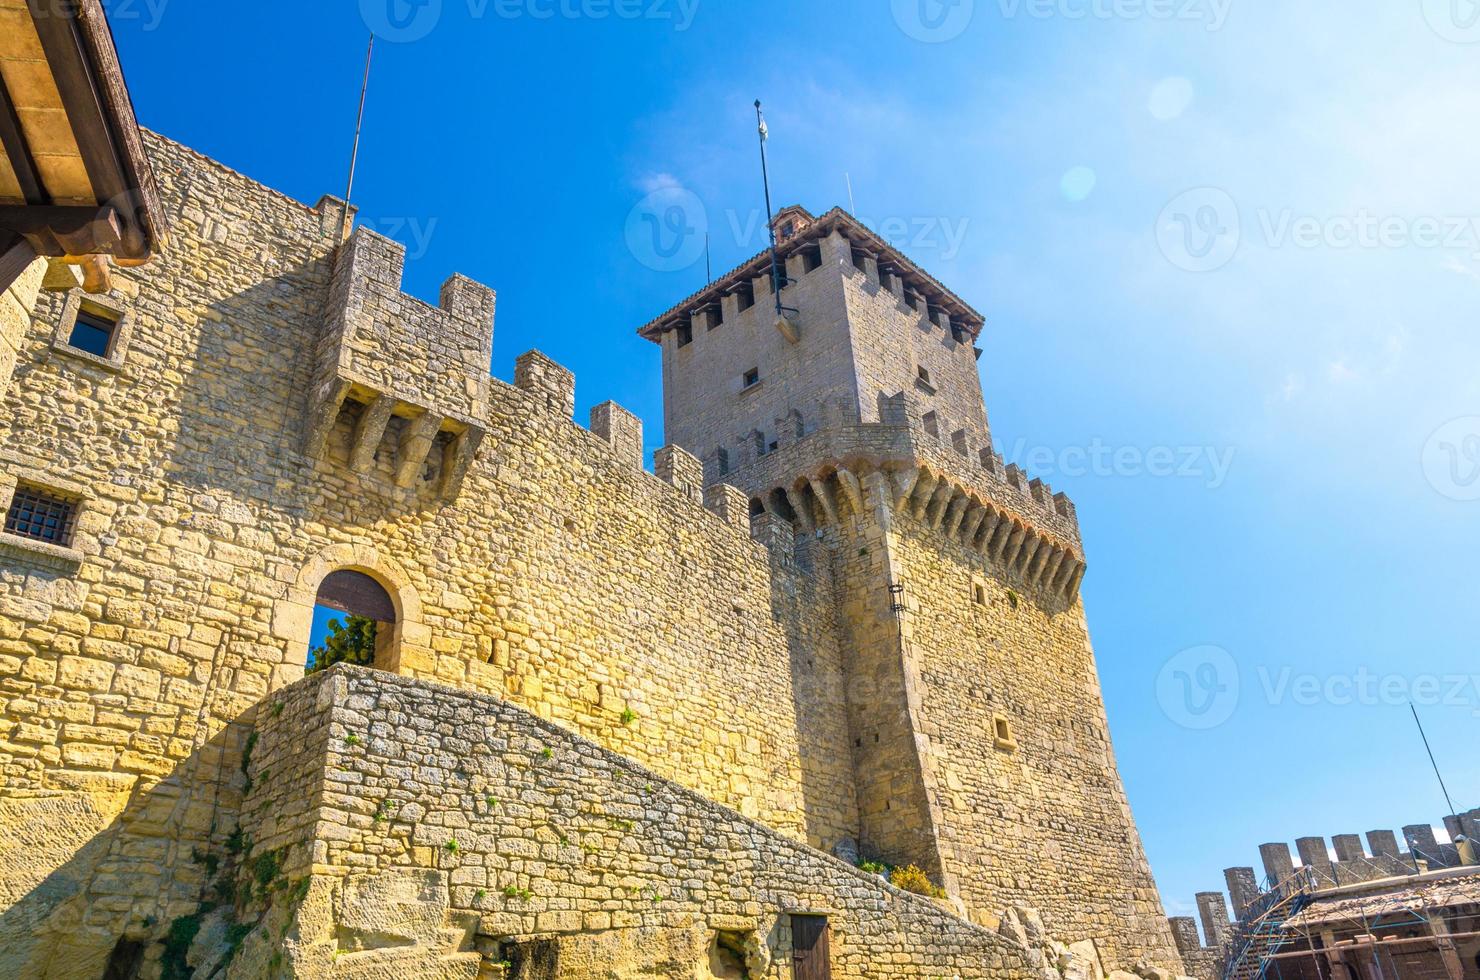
<point>1004,730</point>
<point>923,374</point>
<point>93,332</point>
<point>912,299</point>
<point>745,296</point>
<point>958,334</point>
<point>715,315</point>
<point>41,516</point>
<point>685,334</point>
<point>772,446</point>
<point>752,378</point>
<point>723,458</point>
<point>811,258</point>
<point>860,260</point>
<point>979,593</point>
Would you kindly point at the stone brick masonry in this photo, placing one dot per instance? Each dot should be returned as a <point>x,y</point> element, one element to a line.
<point>275,410</point>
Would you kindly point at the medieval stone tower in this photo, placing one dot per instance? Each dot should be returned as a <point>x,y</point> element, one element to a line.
<point>855,423</point>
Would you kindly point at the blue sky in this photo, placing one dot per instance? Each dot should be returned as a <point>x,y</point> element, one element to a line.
<point>1227,251</point>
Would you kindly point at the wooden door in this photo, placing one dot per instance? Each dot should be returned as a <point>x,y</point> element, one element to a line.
<point>809,958</point>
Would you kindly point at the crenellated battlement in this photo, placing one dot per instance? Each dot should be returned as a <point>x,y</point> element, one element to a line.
<point>1340,863</point>
<point>394,357</point>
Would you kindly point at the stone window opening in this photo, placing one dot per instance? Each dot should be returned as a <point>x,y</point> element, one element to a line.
<point>750,379</point>
<point>714,316</point>
<point>366,618</point>
<point>860,259</point>
<point>41,515</point>
<point>757,508</point>
<point>722,457</point>
<point>93,332</point>
<point>94,329</point>
<point>979,593</point>
<point>922,376</point>
<point>1002,736</point>
<point>958,334</point>
<point>773,445</point>
<point>811,258</point>
<point>685,332</point>
<point>744,296</point>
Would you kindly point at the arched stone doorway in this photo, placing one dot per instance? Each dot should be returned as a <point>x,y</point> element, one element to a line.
<point>346,596</point>
<point>357,580</point>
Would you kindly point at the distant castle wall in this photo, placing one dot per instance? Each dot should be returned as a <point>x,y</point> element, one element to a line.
<point>1341,861</point>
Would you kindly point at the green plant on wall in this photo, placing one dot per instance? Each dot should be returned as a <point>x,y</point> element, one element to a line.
<point>912,879</point>
<point>348,642</point>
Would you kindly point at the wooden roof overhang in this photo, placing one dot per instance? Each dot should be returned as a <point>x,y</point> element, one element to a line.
<point>75,184</point>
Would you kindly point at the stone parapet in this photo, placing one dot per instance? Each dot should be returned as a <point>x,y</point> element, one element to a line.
<point>549,839</point>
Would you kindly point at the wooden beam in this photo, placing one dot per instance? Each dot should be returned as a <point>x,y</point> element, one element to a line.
<point>54,230</point>
<point>71,67</point>
<point>16,254</point>
<point>18,151</point>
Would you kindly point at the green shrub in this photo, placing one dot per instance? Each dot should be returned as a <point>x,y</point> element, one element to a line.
<point>912,879</point>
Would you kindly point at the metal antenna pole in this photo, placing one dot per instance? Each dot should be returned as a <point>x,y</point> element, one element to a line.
<point>1432,760</point>
<point>359,125</point>
<point>760,120</point>
<point>849,178</point>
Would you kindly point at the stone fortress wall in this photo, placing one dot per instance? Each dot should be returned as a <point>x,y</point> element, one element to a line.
<point>255,429</point>
<point>408,820</point>
<point>982,751</point>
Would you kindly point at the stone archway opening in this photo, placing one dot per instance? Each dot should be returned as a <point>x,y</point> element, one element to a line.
<point>354,621</point>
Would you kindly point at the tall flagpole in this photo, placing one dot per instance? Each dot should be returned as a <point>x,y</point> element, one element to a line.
<point>1432,761</point>
<point>776,274</point>
<point>359,125</point>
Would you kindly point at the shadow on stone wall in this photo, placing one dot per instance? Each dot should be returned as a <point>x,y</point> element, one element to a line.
<point>114,865</point>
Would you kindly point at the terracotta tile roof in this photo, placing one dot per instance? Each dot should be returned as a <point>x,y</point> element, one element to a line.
<point>820,228</point>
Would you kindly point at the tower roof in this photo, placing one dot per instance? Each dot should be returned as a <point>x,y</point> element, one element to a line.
<point>806,230</point>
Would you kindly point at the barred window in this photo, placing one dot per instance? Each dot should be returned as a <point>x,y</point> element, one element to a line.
<point>40,516</point>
